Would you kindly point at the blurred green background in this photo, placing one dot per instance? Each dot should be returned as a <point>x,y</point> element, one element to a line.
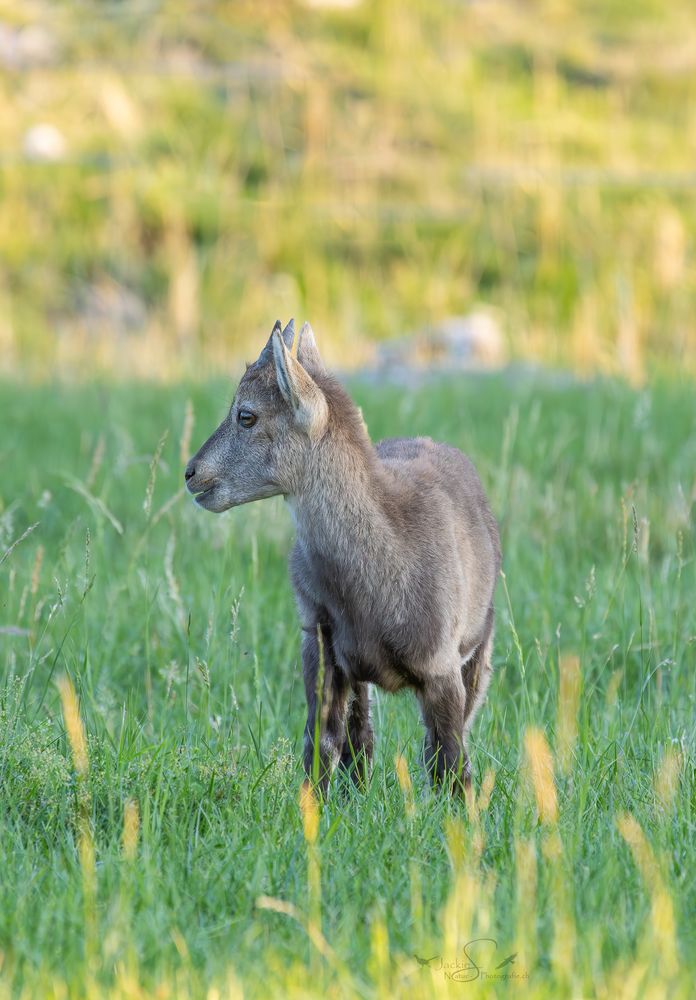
<point>173,176</point>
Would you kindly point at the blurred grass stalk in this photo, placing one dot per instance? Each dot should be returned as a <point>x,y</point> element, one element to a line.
<point>85,840</point>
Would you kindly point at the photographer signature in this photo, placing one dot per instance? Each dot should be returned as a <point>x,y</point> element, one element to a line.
<point>469,968</point>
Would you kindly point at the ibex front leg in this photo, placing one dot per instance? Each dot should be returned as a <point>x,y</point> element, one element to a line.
<point>356,757</point>
<point>326,689</point>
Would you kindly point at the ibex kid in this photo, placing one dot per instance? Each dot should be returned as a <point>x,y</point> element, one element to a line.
<point>394,565</point>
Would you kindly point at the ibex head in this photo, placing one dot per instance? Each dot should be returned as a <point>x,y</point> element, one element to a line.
<point>260,448</point>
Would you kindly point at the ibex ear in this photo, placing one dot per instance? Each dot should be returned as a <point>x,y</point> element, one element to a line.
<point>299,390</point>
<point>307,350</point>
<point>288,335</point>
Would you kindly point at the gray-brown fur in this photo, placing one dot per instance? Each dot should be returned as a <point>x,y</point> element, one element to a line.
<point>394,565</point>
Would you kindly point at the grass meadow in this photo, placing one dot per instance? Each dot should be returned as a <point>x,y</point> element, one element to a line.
<point>173,176</point>
<point>153,840</point>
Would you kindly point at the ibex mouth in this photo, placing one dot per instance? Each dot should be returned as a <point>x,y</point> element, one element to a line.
<point>199,495</point>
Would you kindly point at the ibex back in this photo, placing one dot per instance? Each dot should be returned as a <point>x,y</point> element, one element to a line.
<point>394,565</point>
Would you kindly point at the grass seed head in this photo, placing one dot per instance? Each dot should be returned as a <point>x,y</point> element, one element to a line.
<point>73,725</point>
<point>568,704</point>
<point>310,812</point>
<point>405,783</point>
<point>667,777</point>
<point>540,765</point>
<point>131,829</point>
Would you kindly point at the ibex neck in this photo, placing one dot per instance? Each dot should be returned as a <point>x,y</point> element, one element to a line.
<point>342,511</point>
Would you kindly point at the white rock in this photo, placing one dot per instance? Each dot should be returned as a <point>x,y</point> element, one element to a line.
<point>45,143</point>
<point>476,337</point>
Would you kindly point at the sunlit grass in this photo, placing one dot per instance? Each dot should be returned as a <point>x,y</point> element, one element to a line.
<point>156,837</point>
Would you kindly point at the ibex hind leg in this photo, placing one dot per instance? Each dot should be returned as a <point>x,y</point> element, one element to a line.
<point>477,671</point>
<point>443,703</point>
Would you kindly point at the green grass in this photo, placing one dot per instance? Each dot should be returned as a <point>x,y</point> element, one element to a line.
<point>179,633</point>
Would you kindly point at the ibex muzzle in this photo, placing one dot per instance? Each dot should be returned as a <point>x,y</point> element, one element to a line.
<point>394,565</point>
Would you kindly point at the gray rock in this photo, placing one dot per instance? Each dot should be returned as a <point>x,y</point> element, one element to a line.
<point>109,308</point>
<point>26,47</point>
<point>458,343</point>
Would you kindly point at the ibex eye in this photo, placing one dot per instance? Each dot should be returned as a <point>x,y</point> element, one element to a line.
<point>245,418</point>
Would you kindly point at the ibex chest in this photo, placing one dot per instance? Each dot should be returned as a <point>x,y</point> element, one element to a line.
<point>366,657</point>
<point>379,633</point>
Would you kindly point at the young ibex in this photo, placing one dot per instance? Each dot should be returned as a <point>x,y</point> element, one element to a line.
<point>395,562</point>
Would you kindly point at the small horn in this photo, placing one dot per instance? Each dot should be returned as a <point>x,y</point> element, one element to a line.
<point>307,350</point>
<point>266,354</point>
<point>288,334</point>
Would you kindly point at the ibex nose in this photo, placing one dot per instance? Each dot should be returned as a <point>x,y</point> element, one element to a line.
<point>190,471</point>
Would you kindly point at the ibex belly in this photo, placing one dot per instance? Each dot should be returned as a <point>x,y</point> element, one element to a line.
<point>367,659</point>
